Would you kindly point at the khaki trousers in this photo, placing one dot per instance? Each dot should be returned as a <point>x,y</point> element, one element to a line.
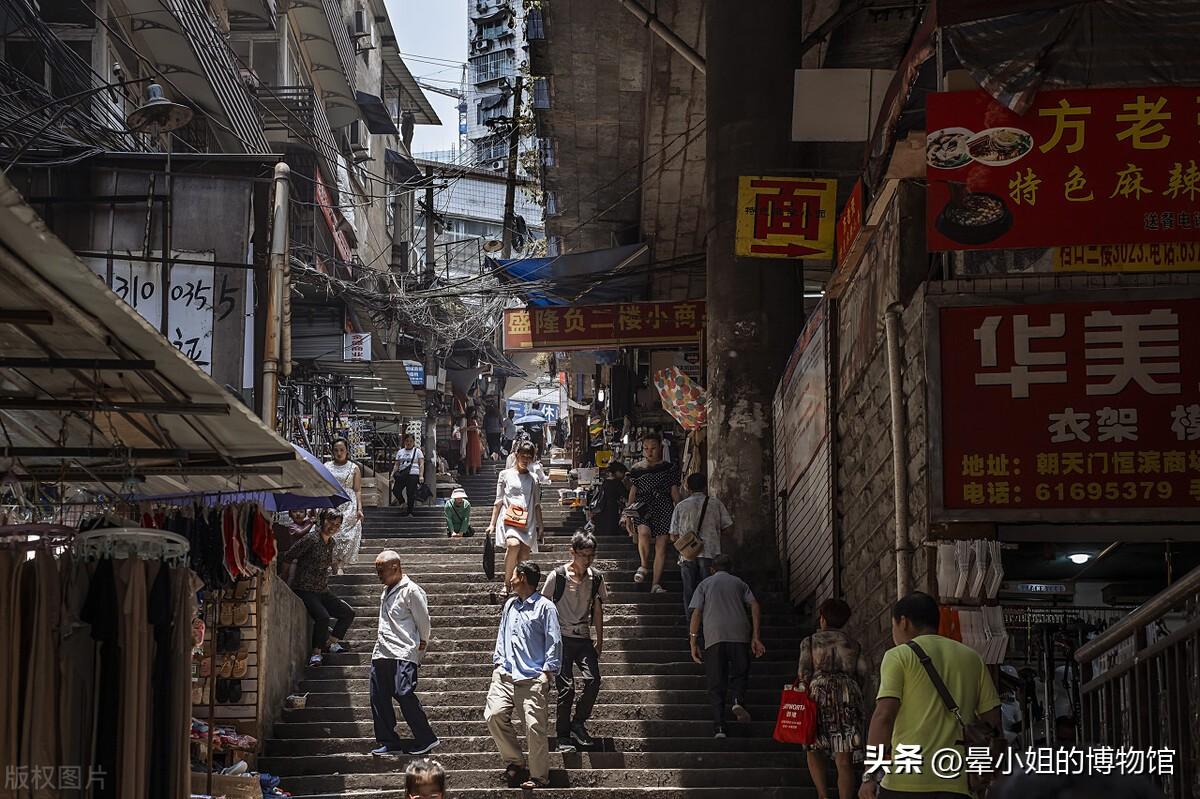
<point>533,698</point>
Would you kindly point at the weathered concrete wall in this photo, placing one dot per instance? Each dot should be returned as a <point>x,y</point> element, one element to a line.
<point>284,631</point>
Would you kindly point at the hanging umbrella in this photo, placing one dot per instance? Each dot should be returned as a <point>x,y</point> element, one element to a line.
<point>279,501</point>
<point>682,396</point>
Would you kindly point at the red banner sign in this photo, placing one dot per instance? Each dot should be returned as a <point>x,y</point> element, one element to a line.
<point>590,326</point>
<point>1100,166</point>
<point>1051,411</point>
<point>339,238</point>
<point>850,222</point>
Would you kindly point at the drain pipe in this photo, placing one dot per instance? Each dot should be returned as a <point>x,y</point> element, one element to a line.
<point>276,265</point>
<point>904,549</point>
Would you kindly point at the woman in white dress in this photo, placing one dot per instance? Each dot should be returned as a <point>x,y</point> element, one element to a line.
<point>518,496</point>
<point>348,539</point>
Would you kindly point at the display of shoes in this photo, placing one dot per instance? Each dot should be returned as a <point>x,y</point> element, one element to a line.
<point>238,768</point>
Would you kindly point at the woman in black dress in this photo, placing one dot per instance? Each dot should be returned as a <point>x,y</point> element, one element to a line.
<point>656,486</point>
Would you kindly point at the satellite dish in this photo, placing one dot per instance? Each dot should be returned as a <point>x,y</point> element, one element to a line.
<point>493,246</point>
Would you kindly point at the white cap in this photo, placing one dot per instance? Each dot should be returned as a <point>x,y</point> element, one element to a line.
<point>458,493</point>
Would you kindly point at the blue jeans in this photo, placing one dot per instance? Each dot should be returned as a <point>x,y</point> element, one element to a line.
<point>692,572</point>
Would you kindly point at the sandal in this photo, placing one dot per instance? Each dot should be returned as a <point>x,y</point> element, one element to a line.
<point>226,617</point>
<point>241,614</point>
<point>639,576</point>
<point>514,774</point>
<point>227,663</point>
<point>241,665</point>
<point>534,782</point>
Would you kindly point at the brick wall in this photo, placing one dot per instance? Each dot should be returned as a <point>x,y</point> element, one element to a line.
<point>866,501</point>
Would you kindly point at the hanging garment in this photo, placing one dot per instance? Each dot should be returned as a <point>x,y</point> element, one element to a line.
<point>184,587</point>
<point>77,665</point>
<point>9,655</point>
<point>39,728</point>
<point>136,646</point>
<point>101,611</point>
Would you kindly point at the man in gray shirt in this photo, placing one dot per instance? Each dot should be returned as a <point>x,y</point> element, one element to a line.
<point>719,605</point>
<point>404,630</point>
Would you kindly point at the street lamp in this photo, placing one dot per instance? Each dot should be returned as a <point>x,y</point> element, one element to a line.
<point>1079,558</point>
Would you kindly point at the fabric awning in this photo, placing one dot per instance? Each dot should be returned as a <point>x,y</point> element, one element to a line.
<point>598,274</point>
<point>404,169</point>
<point>376,115</point>
<point>91,394</point>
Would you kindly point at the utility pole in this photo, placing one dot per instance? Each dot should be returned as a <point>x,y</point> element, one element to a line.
<point>752,309</point>
<point>276,266</point>
<point>431,364</point>
<point>510,189</point>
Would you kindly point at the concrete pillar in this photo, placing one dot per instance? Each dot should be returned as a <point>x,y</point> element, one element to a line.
<point>755,306</point>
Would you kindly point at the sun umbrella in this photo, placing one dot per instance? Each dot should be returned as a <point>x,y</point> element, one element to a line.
<point>531,418</point>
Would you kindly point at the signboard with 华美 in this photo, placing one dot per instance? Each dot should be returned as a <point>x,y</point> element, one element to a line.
<point>1094,166</point>
<point>592,326</point>
<point>1064,411</point>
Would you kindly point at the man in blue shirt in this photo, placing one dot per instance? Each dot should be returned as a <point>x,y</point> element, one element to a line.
<point>527,658</point>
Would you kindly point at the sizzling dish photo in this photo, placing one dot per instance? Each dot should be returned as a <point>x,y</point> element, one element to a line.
<point>974,218</point>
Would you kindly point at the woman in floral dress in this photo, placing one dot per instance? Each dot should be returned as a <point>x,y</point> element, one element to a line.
<point>835,672</point>
<point>656,487</point>
<point>349,538</point>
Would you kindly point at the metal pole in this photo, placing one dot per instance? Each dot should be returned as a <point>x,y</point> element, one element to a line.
<point>429,442</point>
<point>510,188</point>
<point>276,264</point>
<point>669,36</point>
<point>904,550</point>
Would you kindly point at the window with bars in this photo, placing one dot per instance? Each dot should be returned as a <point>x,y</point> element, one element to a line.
<point>493,148</point>
<point>548,149</point>
<point>490,109</point>
<point>492,66</point>
<point>554,245</point>
<point>494,28</point>
<point>541,94</point>
<point>553,203</point>
<point>535,25</point>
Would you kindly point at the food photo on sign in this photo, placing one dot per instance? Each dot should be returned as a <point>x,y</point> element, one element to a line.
<point>1102,166</point>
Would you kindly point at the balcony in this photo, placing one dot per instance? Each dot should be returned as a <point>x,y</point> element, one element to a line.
<point>324,33</point>
<point>292,116</point>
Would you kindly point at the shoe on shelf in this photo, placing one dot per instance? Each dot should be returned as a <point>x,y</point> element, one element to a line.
<point>580,735</point>
<point>422,749</point>
<point>564,745</point>
<point>639,576</point>
<point>740,712</point>
<point>657,589</point>
<point>384,751</point>
<point>720,732</point>
<point>240,767</point>
<point>315,660</point>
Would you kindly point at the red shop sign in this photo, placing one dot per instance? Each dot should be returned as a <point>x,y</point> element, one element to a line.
<point>592,326</point>
<point>1067,411</point>
<point>339,238</point>
<point>1099,166</point>
<point>849,222</point>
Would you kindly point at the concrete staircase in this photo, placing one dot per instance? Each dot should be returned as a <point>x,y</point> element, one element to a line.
<point>652,718</point>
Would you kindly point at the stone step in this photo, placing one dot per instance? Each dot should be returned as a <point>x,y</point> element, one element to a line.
<point>805,791</point>
<point>322,681</point>
<point>678,653</point>
<point>611,778</point>
<point>623,641</point>
<point>359,696</point>
<point>616,628</point>
<point>362,762</point>
<point>483,670</point>
<point>697,711</point>
<point>481,594</point>
<point>601,728</point>
<point>483,744</point>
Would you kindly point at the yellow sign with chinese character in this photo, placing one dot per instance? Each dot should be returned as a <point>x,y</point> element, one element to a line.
<point>1149,257</point>
<point>786,217</point>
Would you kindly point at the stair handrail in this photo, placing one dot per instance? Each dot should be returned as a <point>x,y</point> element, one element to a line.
<point>1149,611</point>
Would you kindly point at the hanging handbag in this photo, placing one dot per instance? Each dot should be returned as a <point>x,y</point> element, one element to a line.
<point>977,734</point>
<point>690,545</point>
<point>516,516</point>
<point>797,719</point>
<point>424,492</point>
<point>489,556</point>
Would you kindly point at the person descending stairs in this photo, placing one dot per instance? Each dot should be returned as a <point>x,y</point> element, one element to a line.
<point>652,720</point>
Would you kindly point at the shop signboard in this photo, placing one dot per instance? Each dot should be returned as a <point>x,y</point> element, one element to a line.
<point>592,326</point>
<point>804,460</point>
<point>850,222</point>
<point>1178,256</point>
<point>416,373</point>
<point>1083,409</point>
<point>547,410</point>
<point>192,306</point>
<point>327,210</point>
<point>357,347</point>
<point>1095,166</point>
<point>785,217</point>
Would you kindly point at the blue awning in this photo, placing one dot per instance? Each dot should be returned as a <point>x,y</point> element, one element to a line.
<point>597,276</point>
<point>375,113</point>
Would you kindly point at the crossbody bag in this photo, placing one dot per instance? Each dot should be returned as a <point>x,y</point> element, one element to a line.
<point>690,545</point>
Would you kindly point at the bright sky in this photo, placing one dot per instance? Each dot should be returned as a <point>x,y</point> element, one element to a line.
<point>432,35</point>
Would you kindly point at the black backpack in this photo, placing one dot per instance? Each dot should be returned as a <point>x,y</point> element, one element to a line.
<point>560,587</point>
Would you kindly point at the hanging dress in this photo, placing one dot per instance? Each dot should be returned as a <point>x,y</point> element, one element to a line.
<point>348,539</point>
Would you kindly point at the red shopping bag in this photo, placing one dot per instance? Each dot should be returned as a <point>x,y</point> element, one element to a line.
<point>797,720</point>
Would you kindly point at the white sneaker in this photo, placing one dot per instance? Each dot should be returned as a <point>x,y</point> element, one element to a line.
<point>639,576</point>
<point>237,768</point>
<point>740,713</point>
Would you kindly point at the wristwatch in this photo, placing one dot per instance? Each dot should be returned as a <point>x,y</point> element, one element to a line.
<point>873,776</point>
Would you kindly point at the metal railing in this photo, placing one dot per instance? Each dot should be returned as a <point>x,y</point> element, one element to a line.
<point>295,112</point>
<point>1142,688</point>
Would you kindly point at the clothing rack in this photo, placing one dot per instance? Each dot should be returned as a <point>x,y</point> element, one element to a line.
<point>127,542</point>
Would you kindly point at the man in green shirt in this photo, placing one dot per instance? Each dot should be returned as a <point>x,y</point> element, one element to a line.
<point>458,515</point>
<point>909,713</point>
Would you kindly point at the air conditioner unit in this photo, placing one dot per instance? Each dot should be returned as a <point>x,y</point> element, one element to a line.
<point>483,45</point>
<point>361,26</point>
<point>499,163</point>
<point>357,135</point>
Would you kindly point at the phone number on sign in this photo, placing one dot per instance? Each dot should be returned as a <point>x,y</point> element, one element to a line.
<point>1141,489</point>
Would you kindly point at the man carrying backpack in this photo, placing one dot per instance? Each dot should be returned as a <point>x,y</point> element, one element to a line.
<point>579,592</point>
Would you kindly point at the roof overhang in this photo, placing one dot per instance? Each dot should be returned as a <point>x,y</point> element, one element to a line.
<point>323,33</point>
<point>412,96</point>
<point>381,389</point>
<point>91,394</point>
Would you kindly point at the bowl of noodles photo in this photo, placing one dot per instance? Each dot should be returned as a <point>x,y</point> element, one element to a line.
<point>947,148</point>
<point>999,146</point>
<point>974,218</point>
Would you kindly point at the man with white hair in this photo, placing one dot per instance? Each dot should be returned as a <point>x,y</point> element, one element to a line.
<point>403,636</point>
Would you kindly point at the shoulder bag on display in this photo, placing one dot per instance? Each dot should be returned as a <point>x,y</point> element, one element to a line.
<point>977,734</point>
<point>690,545</point>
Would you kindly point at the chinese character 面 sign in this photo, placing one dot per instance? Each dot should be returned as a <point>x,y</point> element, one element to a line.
<point>1054,411</point>
<point>786,217</point>
<point>589,326</point>
<point>1097,166</point>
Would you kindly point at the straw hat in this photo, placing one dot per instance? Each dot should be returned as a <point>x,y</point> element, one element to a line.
<point>458,493</point>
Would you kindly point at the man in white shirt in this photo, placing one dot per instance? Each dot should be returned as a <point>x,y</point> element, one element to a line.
<point>404,630</point>
<point>510,432</point>
<point>409,472</point>
<point>707,517</point>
